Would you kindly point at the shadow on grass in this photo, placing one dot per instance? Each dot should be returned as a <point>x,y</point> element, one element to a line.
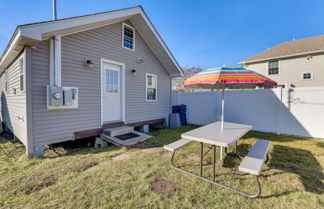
<point>79,147</point>
<point>300,162</point>
<point>320,144</point>
<point>272,137</point>
<point>232,162</point>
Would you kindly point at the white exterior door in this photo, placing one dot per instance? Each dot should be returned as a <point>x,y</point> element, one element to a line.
<point>112,92</point>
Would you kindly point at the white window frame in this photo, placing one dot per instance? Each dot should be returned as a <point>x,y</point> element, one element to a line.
<point>146,86</point>
<point>122,42</point>
<point>302,76</point>
<point>22,73</point>
<point>269,67</point>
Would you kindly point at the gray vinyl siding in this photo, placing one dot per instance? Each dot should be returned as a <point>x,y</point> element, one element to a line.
<point>51,126</point>
<point>14,105</point>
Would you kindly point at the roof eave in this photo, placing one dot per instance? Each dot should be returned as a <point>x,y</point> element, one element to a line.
<point>45,30</point>
<point>281,57</point>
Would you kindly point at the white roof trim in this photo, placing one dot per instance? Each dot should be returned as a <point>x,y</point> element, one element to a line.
<point>41,31</point>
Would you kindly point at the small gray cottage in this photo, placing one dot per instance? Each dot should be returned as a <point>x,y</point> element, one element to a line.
<point>71,78</point>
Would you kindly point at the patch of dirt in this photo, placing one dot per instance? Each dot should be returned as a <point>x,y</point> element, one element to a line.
<point>165,153</point>
<point>121,156</point>
<point>191,157</point>
<point>46,182</point>
<point>87,166</point>
<point>93,168</point>
<point>150,150</point>
<point>161,186</point>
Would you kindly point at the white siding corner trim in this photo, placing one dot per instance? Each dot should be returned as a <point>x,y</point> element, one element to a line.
<point>122,65</point>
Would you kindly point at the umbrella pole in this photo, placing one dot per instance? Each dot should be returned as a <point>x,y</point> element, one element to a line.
<point>222,116</point>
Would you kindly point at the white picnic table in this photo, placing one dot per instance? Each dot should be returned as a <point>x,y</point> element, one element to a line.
<point>213,135</point>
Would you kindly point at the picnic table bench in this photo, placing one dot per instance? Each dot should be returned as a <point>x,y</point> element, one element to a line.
<point>251,164</point>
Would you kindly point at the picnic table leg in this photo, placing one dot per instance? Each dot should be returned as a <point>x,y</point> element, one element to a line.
<point>235,148</point>
<point>221,157</point>
<point>201,158</point>
<point>214,162</point>
<point>218,184</point>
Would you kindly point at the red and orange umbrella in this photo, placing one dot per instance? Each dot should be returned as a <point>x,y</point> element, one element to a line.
<point>229,77</point>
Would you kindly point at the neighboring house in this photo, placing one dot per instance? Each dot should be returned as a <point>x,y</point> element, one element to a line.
<point>71,78</point>
<point>177,83</point>
<point>297,63</point>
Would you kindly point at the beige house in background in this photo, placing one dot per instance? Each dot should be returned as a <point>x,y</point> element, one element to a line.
<point>297,63</point>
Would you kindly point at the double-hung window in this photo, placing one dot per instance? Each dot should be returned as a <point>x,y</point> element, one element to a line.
<point>273,68</point>
<point>151,87</point>
<point>128,37</point>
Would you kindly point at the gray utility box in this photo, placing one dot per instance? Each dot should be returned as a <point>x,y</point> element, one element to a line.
<point>55,96</point>
<point>67,97</point>
<point>175,120</point>
<point>62,97</point>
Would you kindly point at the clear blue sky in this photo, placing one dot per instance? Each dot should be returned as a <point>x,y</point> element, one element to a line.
<point>198,33</point>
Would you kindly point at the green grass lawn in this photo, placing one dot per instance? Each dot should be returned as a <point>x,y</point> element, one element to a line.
<point>90,178</point>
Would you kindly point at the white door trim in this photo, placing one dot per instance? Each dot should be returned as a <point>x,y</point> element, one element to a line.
<point>122,65</point>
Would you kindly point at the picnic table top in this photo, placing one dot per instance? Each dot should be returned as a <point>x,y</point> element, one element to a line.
<point>212,133</point>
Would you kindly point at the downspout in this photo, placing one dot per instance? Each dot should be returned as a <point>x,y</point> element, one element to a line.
<point>56,42</point>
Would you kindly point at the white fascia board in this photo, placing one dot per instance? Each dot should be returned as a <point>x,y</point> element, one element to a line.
<point>36,31</point>
<point>13,43</point>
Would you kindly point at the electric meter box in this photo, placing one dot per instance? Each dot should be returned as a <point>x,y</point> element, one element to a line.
<point>62,97</point>
<point>67,97</point>
<point>55,96</point>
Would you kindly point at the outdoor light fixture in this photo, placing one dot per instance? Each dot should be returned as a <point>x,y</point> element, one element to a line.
<point>140,60</point>
<point>88,63</point>
<point>133,71</point>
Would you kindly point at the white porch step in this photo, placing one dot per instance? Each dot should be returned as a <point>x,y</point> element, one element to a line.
<point>118,130</point>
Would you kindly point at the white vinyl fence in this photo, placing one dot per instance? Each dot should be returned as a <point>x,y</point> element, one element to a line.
<point>295,111</point>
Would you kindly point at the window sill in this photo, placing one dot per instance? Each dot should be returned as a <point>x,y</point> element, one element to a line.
<point>129,49</point>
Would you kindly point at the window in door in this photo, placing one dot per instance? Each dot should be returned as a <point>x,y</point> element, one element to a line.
<point>112,81</point>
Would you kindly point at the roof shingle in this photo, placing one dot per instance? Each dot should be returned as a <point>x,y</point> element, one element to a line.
<point>290,48</point>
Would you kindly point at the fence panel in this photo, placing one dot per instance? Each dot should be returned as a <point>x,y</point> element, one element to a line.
<point>296,111</point>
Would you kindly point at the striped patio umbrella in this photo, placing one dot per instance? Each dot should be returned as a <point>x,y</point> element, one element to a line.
<point>228,77</point>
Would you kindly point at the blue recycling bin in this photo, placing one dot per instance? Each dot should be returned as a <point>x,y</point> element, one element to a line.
<point>176,109</point>
<point>183,115</point>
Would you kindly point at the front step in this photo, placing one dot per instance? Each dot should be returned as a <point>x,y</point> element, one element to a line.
<point>118,130</point>
<point>118,142</point>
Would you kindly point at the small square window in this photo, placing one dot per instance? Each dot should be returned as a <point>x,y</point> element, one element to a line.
<point>307,76</point>
<point>128,38</point>
<point>273,67</point>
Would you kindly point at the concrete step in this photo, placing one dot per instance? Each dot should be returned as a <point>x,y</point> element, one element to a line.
<point>118,142</point>
<point>118,130</point>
